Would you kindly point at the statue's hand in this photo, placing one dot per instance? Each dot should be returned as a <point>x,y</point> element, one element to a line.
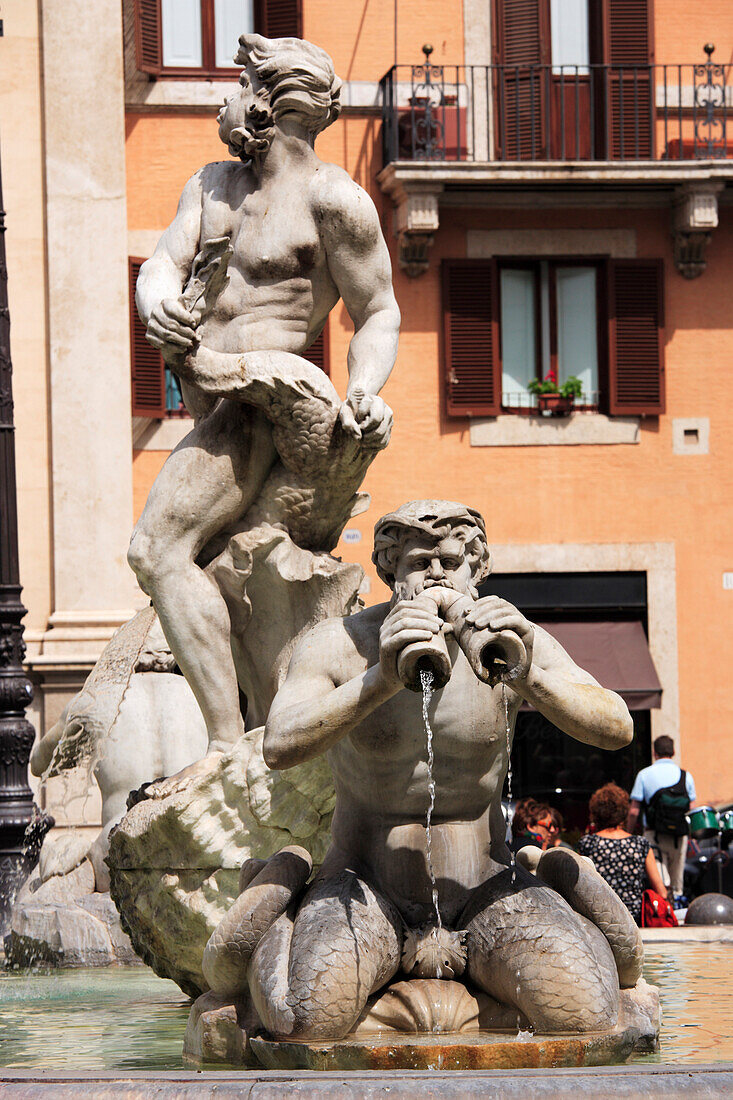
<point>171,329</point>
<point>408,621</point>
<point>495,614</point>
<point>367,417</point>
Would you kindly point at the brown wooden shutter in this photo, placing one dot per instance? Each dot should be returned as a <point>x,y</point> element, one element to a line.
<point>148,36</point>
<point>148,368</point>
<point>471,363</point>
<point>521,37</point>
<point>279,18</point>
<point>635,338</point>
<point>319,353</point>
<point>629,52</point>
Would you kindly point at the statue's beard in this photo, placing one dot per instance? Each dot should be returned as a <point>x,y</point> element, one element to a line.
<point>251,142</point>
<point>407,590</point>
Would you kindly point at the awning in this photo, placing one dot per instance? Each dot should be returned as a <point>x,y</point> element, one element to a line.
<point>616,654</point>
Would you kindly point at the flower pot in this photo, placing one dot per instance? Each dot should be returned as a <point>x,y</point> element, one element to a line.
<point>555,403</point>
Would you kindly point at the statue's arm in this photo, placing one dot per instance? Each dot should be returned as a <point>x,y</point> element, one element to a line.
<point>359,263</point>
<point>312,711</point>
<point>571,698</point>
<point>319,703</point>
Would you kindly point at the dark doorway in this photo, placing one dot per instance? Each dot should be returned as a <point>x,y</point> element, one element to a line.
<point>547,764</point>
<point>552,767</point>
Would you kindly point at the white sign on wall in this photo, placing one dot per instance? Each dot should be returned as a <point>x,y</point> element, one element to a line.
<point>728,580</point>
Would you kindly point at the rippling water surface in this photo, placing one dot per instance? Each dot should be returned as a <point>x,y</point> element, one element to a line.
<point>76,1020</point>
<point>125,1019</point>
<point>696,985</point>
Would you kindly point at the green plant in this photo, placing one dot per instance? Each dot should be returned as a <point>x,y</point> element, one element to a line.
<point>571,387</point>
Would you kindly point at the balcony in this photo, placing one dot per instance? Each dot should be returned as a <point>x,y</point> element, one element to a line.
<point>541,134</point>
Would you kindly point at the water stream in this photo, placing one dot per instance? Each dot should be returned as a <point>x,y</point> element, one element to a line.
<point>426,681</point>
<point>509,793</point>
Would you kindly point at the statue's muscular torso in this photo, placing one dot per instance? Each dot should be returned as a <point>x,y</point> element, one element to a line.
<point>380,772</point>
<point>280,289</point>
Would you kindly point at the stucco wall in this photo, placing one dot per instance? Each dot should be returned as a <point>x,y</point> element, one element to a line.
<point>531,496</point>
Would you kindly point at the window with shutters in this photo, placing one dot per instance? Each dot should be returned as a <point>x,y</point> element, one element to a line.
<point>319,353</point>
<point>507,322</point>
<point>156,392</point>
<point>572,79</point>
<point>198,38</point>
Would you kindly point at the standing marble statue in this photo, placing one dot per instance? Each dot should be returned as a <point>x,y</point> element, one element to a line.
<point>241,283</point>
<point>523,939</point>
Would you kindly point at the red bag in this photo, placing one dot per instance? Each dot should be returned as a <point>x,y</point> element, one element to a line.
<point>656,912</point>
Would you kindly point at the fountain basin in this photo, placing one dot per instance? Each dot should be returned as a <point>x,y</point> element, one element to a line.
<point>127,1020</point>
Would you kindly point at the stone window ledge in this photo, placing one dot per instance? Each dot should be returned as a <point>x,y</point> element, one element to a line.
<point>357,96</point>
<point>577,429</point>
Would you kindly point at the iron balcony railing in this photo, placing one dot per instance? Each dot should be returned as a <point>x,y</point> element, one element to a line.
<point>481,113</point>
<point>528,404</point>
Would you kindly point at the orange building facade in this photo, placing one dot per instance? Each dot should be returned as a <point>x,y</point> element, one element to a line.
<point>559,157</point>
<point>647,494</point>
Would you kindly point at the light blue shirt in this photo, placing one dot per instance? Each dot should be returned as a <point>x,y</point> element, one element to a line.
<point>662,773</point>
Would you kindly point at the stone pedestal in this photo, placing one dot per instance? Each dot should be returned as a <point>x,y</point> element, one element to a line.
<point>222,1032</point>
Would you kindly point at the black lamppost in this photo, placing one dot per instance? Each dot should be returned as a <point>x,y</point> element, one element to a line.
<point>16,732</point>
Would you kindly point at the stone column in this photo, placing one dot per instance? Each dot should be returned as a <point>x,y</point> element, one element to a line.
<point>88,320</point>
<point>477,51</point>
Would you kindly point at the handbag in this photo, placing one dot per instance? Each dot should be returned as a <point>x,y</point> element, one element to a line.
<point>656,912</point>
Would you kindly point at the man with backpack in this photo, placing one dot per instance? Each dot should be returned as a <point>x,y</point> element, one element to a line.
<point>665,792</point>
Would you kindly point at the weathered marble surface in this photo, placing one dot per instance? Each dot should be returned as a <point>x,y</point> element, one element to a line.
<point>61,921</point>
<point>218,1031</point>
<point>240,285</point>
<point>134,720</point>
<point>175,861</point>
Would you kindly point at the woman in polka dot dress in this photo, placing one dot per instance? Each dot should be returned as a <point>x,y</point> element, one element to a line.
<point>622,859</point>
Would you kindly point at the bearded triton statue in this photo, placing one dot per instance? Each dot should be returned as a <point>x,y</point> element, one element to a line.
<point>547,943</point>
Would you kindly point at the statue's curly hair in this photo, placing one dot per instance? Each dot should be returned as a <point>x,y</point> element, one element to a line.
<point>437,519</point>
<point>299,78</point>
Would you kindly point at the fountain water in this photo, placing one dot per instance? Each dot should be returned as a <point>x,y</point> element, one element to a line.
<point>426,680</point>
<point>509,792</point>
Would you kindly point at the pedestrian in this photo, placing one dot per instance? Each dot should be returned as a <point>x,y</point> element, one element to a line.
<point>665,793</point>
<point>621,859</point>
<point>525,824</point>
<point>555,824</point>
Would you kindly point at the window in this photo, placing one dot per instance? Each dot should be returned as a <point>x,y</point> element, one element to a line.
<point>507,322</point>
<point>572,79</point>
<point>198,38</point>
<point>569,39</point>
<point>548,324</point>
<point>156,392</point>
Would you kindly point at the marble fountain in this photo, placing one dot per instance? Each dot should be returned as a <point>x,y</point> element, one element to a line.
<point>314,849</point>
